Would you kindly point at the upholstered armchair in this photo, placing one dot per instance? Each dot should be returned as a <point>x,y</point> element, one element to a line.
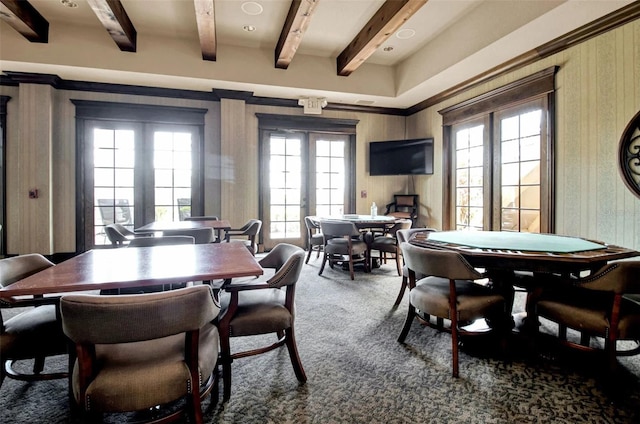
<point>404,206</point>
<point>343,244</point>
<point>248,234</point>
<point>118,234</point>
<point>404,235</point>
<point>449,290</point>
<point>387,244</point>
<point>257,307</point>
<point>202,235</point>
<point>136,352</point>
<point>602,305</point>
<point>315,239</point>
<point>35,333</point>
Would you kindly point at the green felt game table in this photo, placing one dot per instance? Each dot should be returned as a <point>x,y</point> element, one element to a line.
<point>548,253</point>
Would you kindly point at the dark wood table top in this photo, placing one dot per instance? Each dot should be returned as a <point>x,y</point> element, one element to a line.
<point>524,251</point>
<point>124,267</point>
<point>221,224</point>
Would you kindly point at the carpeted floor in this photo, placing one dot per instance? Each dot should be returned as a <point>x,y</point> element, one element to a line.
<point>358,373</point>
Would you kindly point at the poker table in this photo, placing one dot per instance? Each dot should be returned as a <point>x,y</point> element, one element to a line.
<point>547,253</point>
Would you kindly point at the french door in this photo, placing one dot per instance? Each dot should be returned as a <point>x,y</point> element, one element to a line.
<point>304,173</point>
<point>136,173</point>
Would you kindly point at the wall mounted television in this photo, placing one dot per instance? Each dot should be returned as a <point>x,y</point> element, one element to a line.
<point>401,157</point>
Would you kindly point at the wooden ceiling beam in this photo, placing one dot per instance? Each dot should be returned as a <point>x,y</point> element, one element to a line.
<point>391,16</point>
<point>25,19</point>
<point>206,20</point>
<point>115,20</point>
<point>295,26</point>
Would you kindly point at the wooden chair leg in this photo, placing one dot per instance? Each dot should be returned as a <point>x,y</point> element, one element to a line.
<point>225,359</point>
<point>454,345</point>
<point>324,261</point>
<point>308,255</point>
<point>2,373</point>
<point>38,364</point>
<point>585,339</point>
<point>194,405</point>
<point>403,287</point>
<point>407,323</point>
<point>562,332</point>
<point>351,273</point>
<point>398,265</point>
<point>290,341</point>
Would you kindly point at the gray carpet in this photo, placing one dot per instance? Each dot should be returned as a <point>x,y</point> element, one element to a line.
<point>358,373</point>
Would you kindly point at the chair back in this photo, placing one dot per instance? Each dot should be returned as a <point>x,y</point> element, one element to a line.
<point>620,277</point>
<point>405,200</point>
<point>287,260</point>
<point>161,241</point>
<point>103,319</point>
<point>201,235</point>
<point>312,226</point>
<point>117,233</point>
<point>18,267</point>
<point>403,235</point>
<point>438,263</point>
<point>338,229</point>
<point>202,218</point>
<point>253,227</point>
<point>401,224</point>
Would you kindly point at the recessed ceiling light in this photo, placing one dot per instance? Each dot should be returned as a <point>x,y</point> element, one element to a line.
<point>249,28</point>
<point>388,48</point>
<point>404,34</point>
<point>251,8</point>
<point>69,3</point>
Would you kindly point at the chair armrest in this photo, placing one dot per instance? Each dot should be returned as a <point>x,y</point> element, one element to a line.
<point>388,206</point>
<point>20,302</point>
<point>235,232</point>
<point>244,286</point>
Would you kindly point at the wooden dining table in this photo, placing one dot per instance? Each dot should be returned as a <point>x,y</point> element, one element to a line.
<point>503,254</point>
<point>218,225</point>
<point>102,269</point>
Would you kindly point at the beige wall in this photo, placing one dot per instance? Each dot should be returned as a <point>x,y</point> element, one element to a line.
<point>243,158</point>
<point>598,92</point>
<point>231,163</point>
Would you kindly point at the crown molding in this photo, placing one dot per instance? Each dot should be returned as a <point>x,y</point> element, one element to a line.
<point>611,21</point>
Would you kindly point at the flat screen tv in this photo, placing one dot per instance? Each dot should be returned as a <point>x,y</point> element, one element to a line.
<point>401,157</point>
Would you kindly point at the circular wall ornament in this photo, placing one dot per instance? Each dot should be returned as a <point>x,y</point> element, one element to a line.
<point>629,155</point>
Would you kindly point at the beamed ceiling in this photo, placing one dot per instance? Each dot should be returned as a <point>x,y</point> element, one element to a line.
<point>392,54</point>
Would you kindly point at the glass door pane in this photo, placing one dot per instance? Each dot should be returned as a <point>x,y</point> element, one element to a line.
<point>285,184</point>
<point>469,177</point>
<point>330,175</point>
<point>520,142</point>
<point>113,179</point>
<point>172,175</point>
